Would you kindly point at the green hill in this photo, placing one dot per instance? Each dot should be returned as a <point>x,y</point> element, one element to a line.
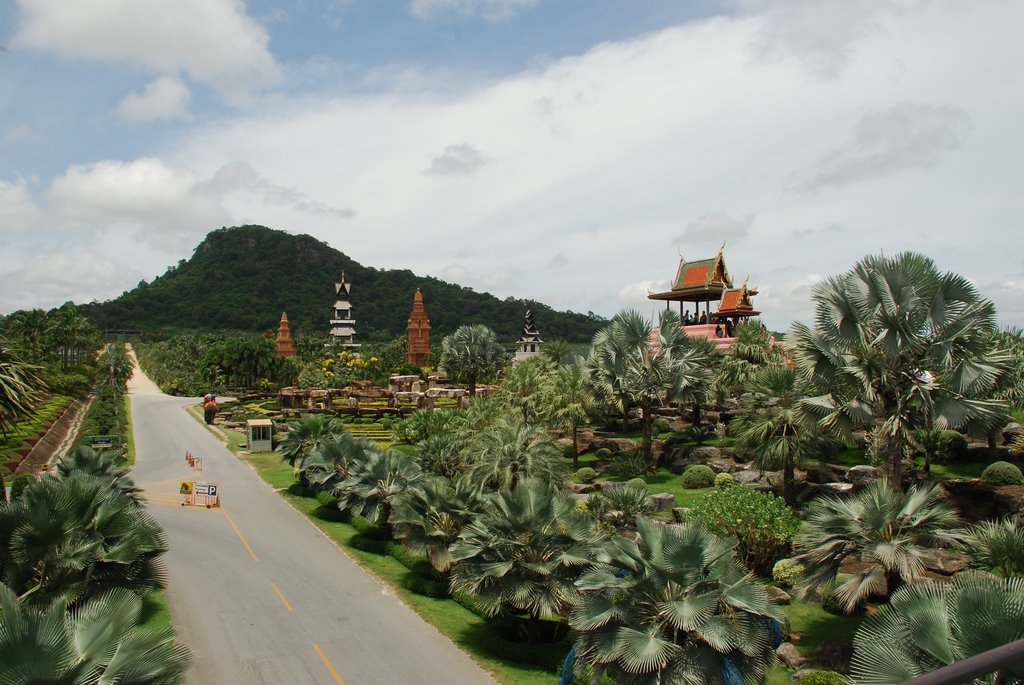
<point>242,278</point>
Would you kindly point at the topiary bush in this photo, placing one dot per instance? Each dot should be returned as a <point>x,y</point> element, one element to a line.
<point>661,425</point>
<point>823,678</point>
<point>586,475</point>
<point>697,476</point>
<point>761,523</point>
<point>18,485</point>
<point>786,571</point>
<point>637,483</point>
<point>603,453</point>
<point>724,480</point>
<point>1001,473</point>
<point>954,445</point>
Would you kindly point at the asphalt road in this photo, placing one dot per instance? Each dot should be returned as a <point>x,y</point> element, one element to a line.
<point>256,591</point>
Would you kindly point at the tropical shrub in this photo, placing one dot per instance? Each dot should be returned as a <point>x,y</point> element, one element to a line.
<point>637,482</point>
<point>661,425</point>
<point>373,485</point>
<point>701,434</point>
<point>603,453</point>
<point>628,465</point>
<point>18,485</point>
<point>698,476</point>
<point>630,498</point>
<point>761,523</point>
<point>996,546</point>
<point>1002,473</point>
<point>442,454</point>
<point>954,445</point>
<point>673,607</point>
<point>724,480</point>
<point>586,475</point>
<point>429,517</point>
<point>931,625</point>
<point>823,678</point>
<point>510,451</point>
<point>785,572</point>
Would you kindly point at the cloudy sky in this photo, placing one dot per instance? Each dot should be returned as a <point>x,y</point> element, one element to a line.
<point>562,150</point>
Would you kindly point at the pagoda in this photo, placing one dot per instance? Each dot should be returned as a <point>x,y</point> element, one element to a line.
<point>529,344</point>
<point>419,332</point>
<point>343,326</point>
<point>285,348</point>
<point>702,282</point>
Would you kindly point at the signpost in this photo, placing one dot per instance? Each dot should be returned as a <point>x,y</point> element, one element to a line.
<point>98,442</point>
<point>199,494</point>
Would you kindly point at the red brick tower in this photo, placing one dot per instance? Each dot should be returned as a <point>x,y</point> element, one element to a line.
<point>419,332</point>
<point>285,348</point>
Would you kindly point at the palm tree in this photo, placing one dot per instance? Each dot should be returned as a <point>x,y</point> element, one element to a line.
<point>638,367</point>
<point>100,642</point>
<point>899,344</point>
<point>115,360</point>
<point>372,486</point>
<point>472,354</point>
<point>774,428</point>
<point>74,538</point>
<point>304,435</point>
<point>31,325</point>
<point>510,451</point>
<point>997,546</point>
<point>886,531</point>
<point>674,606</point>
<point>568,402</point>
<point>429,517</point>
<point>330,460</point>
<point>521,386</point>
<point>557,352</point>
<point>752,351</point>
<point>931,625</point>
<point>19,387</point>
<point>85,460</point>
<point>524,552</point>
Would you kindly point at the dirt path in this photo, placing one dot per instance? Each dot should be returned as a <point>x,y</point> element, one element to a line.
<point>139,383</point>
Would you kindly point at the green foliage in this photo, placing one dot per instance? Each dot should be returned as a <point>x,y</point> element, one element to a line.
<point>586,475</point>
<point>761,523</point>
<point>1002,473</point>
<point>637,482</point>
<point>661,425</point>
<point>701,434</point>
<point>628,465</point>
<point>603,454</point>
<point>724,479</point>
<point>996,546</point>
<point>471,355</point>
<point>632,499</point>
<point>442,454</point>
<point>785,572</point>
<point>241,278</point>
<point>698,476</point>
<point>954,445</point>
<point>823,678</point>
<point>429,517</point>
<point>18,485</point>
<point>510,451</point>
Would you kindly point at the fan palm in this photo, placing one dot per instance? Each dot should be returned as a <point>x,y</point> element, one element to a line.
<point>19,387</point>
<point>931,625</point>
<point>331,459</point>
<point>86,460</point>
<point>674,606</point>
<point>117,363</point>
<point>304,435</point>
<point>472,354</point>
<point>99,642</point>
<point>521,386</point>
<point>429,517</point>
<point>31,326</point>
<point>568,402</point>
<point>372,485</point>
<point>886,531</point>
<point>510,451</point>
<point>524,552</point>
<point>640,368</point>
<point>996,545</point>
<point>902,345</point>
<point>74,538</point>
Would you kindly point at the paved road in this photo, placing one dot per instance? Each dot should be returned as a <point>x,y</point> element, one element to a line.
<point>257,592</point>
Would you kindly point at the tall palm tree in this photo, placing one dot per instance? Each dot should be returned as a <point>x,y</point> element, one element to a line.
<point>428,518</point>
<point>115,361</point>
<point>472,354</point>
<point>928,626</point>
<point>752,351</point>
<point>304,435</point>
<point>20,388</point>
<point>100,642</point>
<point>510,451</point>
<point>898,344</point>
<point>569,402</point>
<point>524,552</point>
<point>372,486</point>
<point>641,368</point>
<point>674,606</point>
<point>774,428</point>
<point>84,460</point>
<point>521,386</point>
<point>887,531</point>
<point>75,538</point>
<point>31,326</point>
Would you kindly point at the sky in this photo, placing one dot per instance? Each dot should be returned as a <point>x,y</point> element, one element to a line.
<point>568,151</point>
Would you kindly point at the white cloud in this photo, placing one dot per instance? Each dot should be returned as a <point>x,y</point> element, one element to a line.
<point>491,10</point>
<point>165,97</point>
<point>54,277</point>
<point>242,177</point>
<point>213,41</point>
<point>18,211</point>
<point>908,136</point>
<point>716,227</point>
<point>458,160</point>
<point>22,133</point>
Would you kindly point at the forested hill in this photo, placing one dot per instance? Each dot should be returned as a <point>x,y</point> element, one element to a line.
<point>242,278</point>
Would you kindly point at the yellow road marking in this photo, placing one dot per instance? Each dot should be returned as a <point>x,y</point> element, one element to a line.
<point>323,657</point>
<point>242,537</point>
<point>281,595</point>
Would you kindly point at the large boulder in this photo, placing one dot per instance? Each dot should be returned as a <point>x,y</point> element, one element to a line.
<point>663,500</point>
<point>835,488</point>
<point>823,473</point>
<point>862,474</point>
<point>977,501</point>
<point>748,476</point>
<point>721,465</point>
<point>944,562</point>
<point>581,488</point>
<point>704,453</point>
<point>615,445</point>
<point>791,656</point>
<point>1011,431</point>
<point>777,595</point>
<point>834,655</point>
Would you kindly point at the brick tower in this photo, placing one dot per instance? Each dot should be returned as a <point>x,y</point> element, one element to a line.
<point>419,332</point>
<point>285,348</point>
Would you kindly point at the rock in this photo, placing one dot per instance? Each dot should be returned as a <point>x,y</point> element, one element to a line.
<point>704,453</point>
<point>777,595</point>
<point>679,465</point>
<point>834,655</point>
<point>663,500</point>
<point>946,563</point>
<point>819,474</point>
<point>856,566</point>
<point>1011,431</point>
<point>862,473</point>
<point>747,476</point>
<point>581,488</point>
<point>1008,500</point>
<point>836,488</point>
<point>576,496</point>
<point>616,518</point>
<point>791,656</point>
<point>616,445</point>
<point>680,514</point>
<point>667,520</point>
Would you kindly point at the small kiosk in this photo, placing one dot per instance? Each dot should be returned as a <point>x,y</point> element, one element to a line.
<point>259,433</point>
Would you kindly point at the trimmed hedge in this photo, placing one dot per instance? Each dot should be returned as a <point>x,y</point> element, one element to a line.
<point>698,476</point>
<point>1002,473</point>
<point>586,475</point>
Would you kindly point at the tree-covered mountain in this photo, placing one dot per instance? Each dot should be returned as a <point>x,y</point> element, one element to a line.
<point>242,278</point>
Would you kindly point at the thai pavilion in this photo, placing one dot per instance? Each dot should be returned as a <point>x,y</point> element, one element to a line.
<point>343,326</point>
<point>701,283</point>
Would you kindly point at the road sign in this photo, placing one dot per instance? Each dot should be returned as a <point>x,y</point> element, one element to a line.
<point>186,487</point>
<point>212,490</point>
<point>102,441</point>
<point>202,489</point>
